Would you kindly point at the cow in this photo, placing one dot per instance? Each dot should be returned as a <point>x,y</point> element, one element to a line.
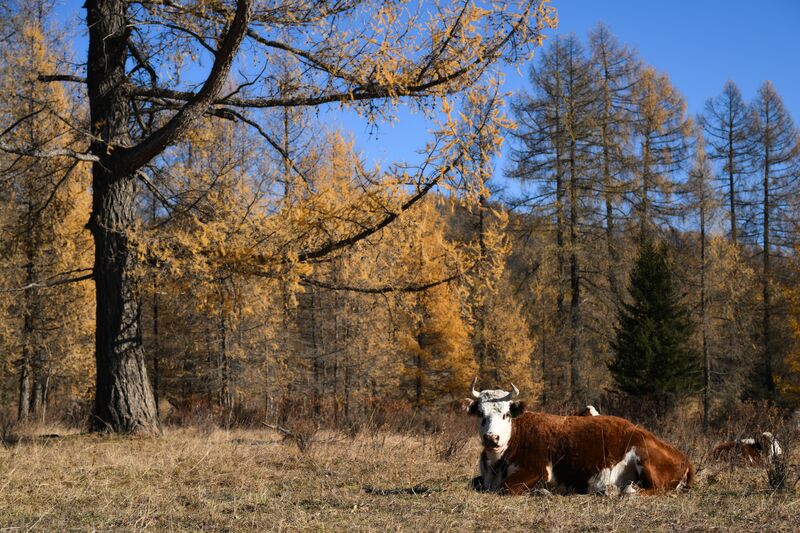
<point>525,452</point>
<point>749,451</point>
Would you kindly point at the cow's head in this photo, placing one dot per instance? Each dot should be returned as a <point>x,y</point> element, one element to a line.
<point>494,410</point>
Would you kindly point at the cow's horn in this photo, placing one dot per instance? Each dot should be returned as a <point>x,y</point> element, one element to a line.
<point>475,394</point>
<point>514,392</point>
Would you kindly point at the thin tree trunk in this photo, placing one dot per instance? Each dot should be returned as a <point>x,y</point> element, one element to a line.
<point>222,359</point>
<point>731,184</point>
<point>37,394</point>
<point>645,198</point>
<point>418,377</point>
<point>156,340</point>
<point>347,384</point>
<point>24,399</point>
<point>544,339</point>
<point>316,361</point>
<point>704,331</point>
<point>613,256</point>
<point>559,239</point>
<point>575,300</point>
<point>561,266</point>
<point>481,326</point>
<point>767,294</point>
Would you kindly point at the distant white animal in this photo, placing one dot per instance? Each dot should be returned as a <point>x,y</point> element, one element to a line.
<point>589,410</point>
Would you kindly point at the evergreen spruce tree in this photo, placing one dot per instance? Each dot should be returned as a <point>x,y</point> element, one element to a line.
<point>653,357</point>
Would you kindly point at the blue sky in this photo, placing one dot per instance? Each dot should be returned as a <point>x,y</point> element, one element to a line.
<point>699,43</point>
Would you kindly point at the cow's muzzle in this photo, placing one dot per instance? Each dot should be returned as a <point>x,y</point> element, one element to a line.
<point>491,441</point>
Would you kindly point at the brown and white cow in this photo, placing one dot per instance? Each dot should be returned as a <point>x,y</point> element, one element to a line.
<point>746,451</point>
<point>589,410</point>
<point>749,451</point>
<point>525,451</point>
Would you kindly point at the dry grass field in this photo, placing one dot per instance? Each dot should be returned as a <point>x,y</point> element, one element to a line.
<point>252,480</point>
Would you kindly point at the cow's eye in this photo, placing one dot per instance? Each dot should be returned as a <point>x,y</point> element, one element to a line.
<point>483,422</point>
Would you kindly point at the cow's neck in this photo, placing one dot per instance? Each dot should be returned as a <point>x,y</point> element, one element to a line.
<point>494,455</point>
<point>494,469</point>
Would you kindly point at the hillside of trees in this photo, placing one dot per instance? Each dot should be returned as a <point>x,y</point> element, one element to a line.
<point>259,266</point>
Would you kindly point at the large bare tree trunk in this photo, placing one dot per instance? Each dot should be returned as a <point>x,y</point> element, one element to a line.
<point>124,399</point>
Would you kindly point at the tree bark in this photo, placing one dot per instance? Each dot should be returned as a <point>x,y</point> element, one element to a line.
<point>124,400</point>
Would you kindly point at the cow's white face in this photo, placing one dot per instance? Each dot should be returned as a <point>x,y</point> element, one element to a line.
<point>494,412</point>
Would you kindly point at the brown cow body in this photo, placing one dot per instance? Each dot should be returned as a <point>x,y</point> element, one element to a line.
<point>571,454</point>
<point>598,454</point>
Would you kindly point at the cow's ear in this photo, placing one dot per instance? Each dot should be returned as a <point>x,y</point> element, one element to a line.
<point>469,406</point>
<point>466,405</point>
<point>517,408</point>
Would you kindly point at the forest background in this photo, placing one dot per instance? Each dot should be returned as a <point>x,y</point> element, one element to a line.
<point>283,273</point>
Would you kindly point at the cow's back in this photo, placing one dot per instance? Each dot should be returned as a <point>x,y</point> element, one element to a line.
<point>578,448</point>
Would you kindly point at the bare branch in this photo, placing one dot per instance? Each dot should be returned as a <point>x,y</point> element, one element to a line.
<point>54,281</point>
<point>310,58</point>
<point>61,77</point>
<point>263,133</point>
<point>21,120</point>
<point>305,280</point>
<point>360,90</point>
<point>137,156</point>
<point>197,36</point>
<point>57,186</point>
<point>143,62</point>
<point>153,189</point>
<point>385,221</point>
<point>43,154</point>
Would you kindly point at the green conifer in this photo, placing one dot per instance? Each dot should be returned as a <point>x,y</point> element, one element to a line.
<point>653,356</point>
